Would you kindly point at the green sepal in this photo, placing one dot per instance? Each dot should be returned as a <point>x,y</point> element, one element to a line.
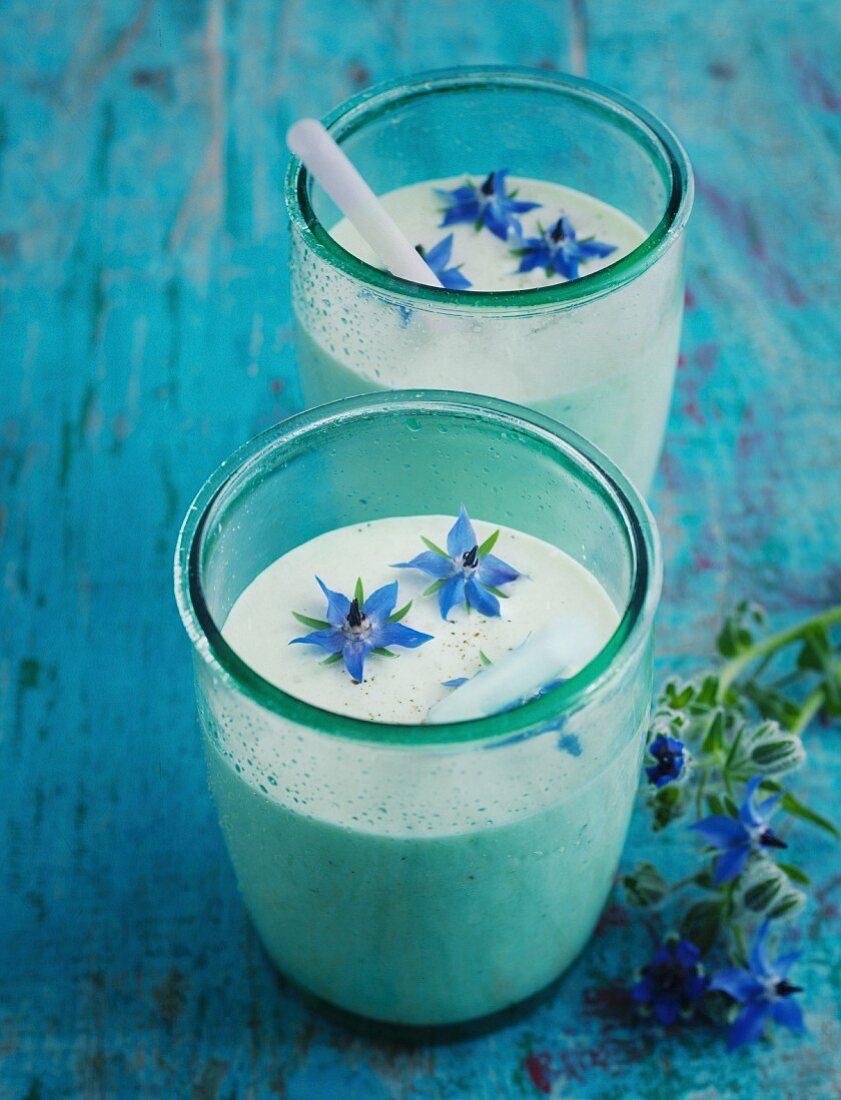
<point>713,742</point>
<point>434,547</point>
<point>794,873</point>
<point>332,659</point>
<point>645,887</point>
<point>701,924</point>
<point>488,544</point>
<point>739,629</point>
<point>396,616</point>
<point>760,895</point>
<point>382,652</point>
<point>790,902</point>
<point>358,592</point>
<point>315,624</point>
<point>431,589</point>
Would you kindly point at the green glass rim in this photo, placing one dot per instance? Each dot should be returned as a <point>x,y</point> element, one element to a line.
<point>652,134</point>
<point>602,477</point>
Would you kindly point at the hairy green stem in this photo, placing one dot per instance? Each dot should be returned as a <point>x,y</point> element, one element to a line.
<point>810,708</point>
<point>774,642</point>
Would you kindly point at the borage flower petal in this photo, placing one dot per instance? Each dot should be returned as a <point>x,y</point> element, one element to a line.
<point>437,260</point>
<point>434,565</point>
<point>461,537</point>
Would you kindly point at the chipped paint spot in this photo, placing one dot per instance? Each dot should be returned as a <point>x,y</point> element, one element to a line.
<point>538,1067</point>
<point>170,997</point>
<point>815,86</point>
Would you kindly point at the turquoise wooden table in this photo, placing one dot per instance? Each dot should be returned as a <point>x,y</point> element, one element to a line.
<point>145,332</point>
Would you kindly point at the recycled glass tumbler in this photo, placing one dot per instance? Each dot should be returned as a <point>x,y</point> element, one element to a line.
<point>598,353</point>
<point>415,875</point>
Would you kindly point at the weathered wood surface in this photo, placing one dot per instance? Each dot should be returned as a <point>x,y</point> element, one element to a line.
<point>145,332</point>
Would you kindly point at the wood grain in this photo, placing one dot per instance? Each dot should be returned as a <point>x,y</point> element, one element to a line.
<point>145,332</point>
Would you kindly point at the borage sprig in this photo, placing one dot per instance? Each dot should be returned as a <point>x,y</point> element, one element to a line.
<point>718,747</point>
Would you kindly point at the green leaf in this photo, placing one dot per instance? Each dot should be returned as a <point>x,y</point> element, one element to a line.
<point>816,650</point>
<point>739,630</point>
<point>396,616</point>
<point>716,805</point>
<point>735,746</point>
<point>796,808</point>
<point>645,886</point>
<point>832,691</point>
<point>668,804</point>
<point>771,704</point>
<point>730,807</point>
<point>713,743</point>
<point>332,659</point>
<point>794,873</point>
<point>431,589</point>
<point>314,624</point>
<point>496,591</point>
<point>381,652</point>
<point>701,924</point>
<point>358,593</point>
<point>484,658</point>
<point>704,879</point>
<point>433,546</point>
<point>488,544</point>
<point>676,696</point>
<point>708,694</point>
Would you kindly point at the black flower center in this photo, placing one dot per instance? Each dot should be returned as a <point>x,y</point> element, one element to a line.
<point>487,187</point>
<point>355,616</point>
<point>557,233</point>
<point>470,558</point>
<point>668,977</point>
<point>785,988</point>
<point>668,761</point>
<point>769,839</point>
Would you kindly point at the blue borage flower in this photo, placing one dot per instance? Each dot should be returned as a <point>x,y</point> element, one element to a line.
<point>558,251</point>
<point>763,990</point>
<point>354,628</point>
<point>437,259</point>
<point>672,982</point>
<point>670,755</point>
<point>486,204</point>
<point>466,572</point>
<point>738,837</point>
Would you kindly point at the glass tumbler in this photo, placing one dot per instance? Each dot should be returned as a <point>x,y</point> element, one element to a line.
<point>421,876</point>
<point>597,353</point>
